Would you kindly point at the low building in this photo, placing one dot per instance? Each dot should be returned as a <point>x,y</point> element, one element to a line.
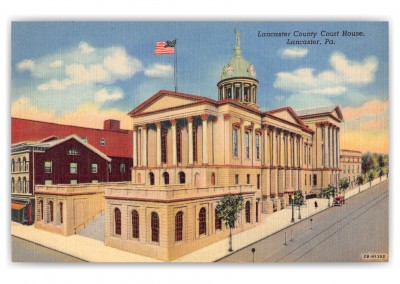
<point>351,161</point>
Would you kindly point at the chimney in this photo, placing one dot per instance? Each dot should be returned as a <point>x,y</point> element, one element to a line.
<point>112,125</point>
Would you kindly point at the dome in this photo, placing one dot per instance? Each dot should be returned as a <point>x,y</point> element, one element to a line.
<point>238,66</point>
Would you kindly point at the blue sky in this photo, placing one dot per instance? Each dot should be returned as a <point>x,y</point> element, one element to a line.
<point>110,66</point>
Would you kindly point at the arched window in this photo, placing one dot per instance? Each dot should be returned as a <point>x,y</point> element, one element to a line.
<point>24,164</point>
<point>51,211</point>
<point>212,178</point>
<point>19,185</point>
<point>182,177</point>
<point>218,221</point>
<point>135,224</point>
<point>117,221</point>
<point>247,144</point>
<point>12,165</point>
<point>61,205</point>
<point>41,209</point>
<point>155,227</point>
<point>19,164</point>
<point>23,189</point>
<point>12,185</point>
<point>202,221</point>
<point>166,177</point>
<point>122,168</point>
<point>179,226</point>
<point>151,178</point>
<point>248,212</point>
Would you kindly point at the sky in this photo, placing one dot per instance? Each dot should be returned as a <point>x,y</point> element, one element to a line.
<point>82,73</point>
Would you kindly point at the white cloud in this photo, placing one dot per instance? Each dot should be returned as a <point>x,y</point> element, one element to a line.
<point>335,81</point>
<point>82,65</point>
<point>26,65</point>
<point>159,71</point>
<point>85,47</point>
<point>353,71</point>
<point>56,64</point>
<point>104,95</point>
<point>293,52</point>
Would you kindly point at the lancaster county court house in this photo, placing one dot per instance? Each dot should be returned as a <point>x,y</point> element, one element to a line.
<point>189,151</point>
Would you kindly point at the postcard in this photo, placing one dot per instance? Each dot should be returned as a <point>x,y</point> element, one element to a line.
<point>200,141</point>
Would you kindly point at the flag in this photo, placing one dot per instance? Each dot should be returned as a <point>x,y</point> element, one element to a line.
<point>165,47</point>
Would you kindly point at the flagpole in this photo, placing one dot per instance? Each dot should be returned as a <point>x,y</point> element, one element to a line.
<point>176,67</point>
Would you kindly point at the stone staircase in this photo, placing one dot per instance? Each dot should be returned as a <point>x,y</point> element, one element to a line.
<point>94,229</point>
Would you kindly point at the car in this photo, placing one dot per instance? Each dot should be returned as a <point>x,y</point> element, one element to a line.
<point>339,201</point>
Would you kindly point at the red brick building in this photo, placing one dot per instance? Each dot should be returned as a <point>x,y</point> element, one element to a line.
<point>49,153</point>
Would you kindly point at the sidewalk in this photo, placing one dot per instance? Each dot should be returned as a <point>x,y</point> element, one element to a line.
<point>95,251</point>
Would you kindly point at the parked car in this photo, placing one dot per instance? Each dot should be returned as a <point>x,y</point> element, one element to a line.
<point>339,201</point>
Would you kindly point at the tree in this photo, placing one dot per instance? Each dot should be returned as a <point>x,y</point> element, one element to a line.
<point>328,192</point>
<point>298,200</point>
<point>359,182</point>
<point>371,177</point>
<point>344,185</point>
<point>228,209</point>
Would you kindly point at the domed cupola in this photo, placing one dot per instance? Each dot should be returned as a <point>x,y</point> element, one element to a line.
<point>238,78</point>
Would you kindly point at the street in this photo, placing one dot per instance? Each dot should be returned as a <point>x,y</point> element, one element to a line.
<point>24,251</point>
<point>339,234</point>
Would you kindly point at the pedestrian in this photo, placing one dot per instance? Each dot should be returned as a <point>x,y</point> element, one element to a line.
<point>316,204</point>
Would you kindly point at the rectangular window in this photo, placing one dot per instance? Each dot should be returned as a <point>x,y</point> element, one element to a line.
<point>258,181</point>
<point>194,144</point>
<point>94,168</point>
<point>74,181</point>
<point>102,142</point>
<point>179,145</point>
<point>248,178</point>
<point>258,146</point>
<point>164,146</point>
<point>305,179</point>
<point>314,179</point>
<point>310,180</point>
<point>48,166</point>
<point>109,168</point>
<point>73,168</point>
<point>236,179</point>
<point>122,168</point>
<point>48,182</point>
<point>235,143</point>
<point>247,141</point>
<point>309,155</point>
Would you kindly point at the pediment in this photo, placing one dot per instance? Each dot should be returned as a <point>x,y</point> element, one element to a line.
<point>167,101</point>
<point>285,114</point>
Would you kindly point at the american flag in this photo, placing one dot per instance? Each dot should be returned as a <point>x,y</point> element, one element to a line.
<point>165,47</point>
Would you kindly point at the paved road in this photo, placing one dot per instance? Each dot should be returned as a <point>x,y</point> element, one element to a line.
<point>339,234</point>
<point>24,251</point>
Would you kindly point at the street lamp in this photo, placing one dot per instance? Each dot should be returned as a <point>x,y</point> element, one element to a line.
<point>292,208</point>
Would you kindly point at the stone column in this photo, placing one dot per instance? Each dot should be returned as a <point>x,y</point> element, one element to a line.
<point>273,147</point>
<point>173,128</point>
<point>281,149</point>
<point>190,134</point>
<point>333,146</point>
<point>338,146</point>
<point>158,143</point>
<point>135,146</point>
<point>296,152</point>
<point>204,118</point>
<point>325,146</point>
<point>144,145</point>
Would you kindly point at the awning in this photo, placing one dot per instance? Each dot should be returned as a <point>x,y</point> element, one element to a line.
<point>17,206</point>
